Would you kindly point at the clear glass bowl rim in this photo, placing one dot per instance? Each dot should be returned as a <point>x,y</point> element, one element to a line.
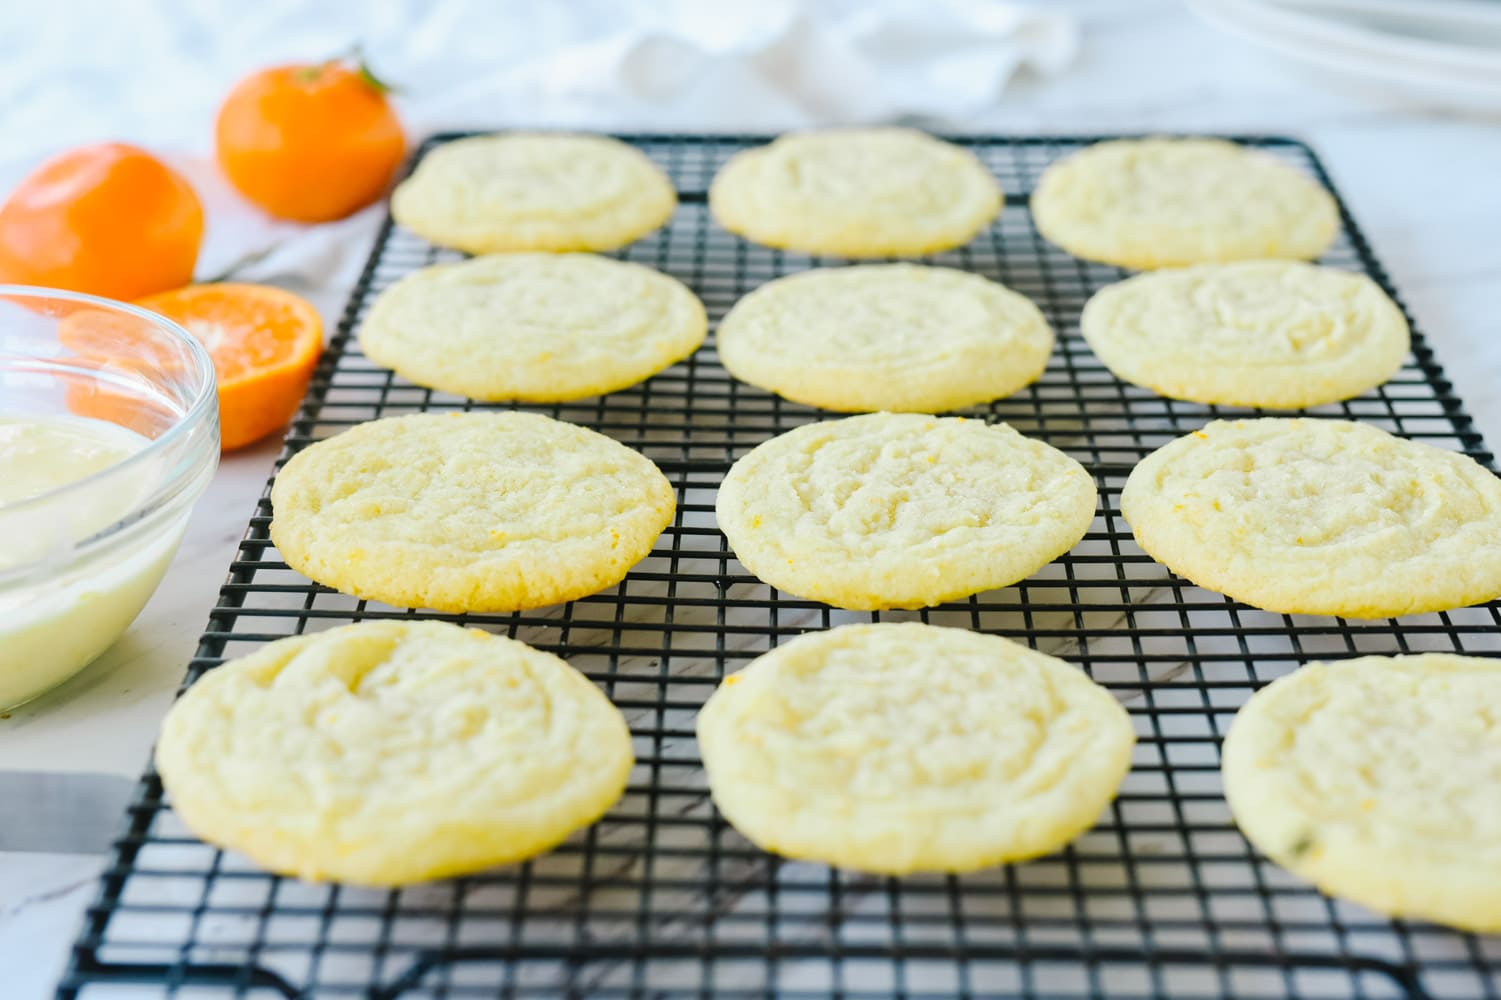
<point>203,404</point>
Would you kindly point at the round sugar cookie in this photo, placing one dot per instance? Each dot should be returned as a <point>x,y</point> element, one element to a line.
<point>894,337</point>
<point>869,192</point>
<point>898,510</point>
<point>1320,517</point>
<point>898,748</point>
<point>1147,203</point>
<point>1269,333</point>
<point>468,511</point>
<point>386,752</point>
<point>534,191</point>
<point>534,327</point>
<point>1378,779</point>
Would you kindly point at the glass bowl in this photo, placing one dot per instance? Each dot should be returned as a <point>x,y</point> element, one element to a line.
<point>109,432</point>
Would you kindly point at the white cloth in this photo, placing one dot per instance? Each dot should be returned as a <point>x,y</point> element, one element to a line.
<point>153,73</point>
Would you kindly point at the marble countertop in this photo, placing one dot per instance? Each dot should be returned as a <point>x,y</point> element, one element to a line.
<point>1421,184</point>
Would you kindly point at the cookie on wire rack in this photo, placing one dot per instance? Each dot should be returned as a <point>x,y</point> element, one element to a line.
<point>1320,517</point>
<point>468,511</point>
<point>866,192</point>
<point>898,748</point>
<point>533,327</point>
<point>900,510</point>
<point>1148,203</point>
<point>534,191</point>
<point>385,753</point>
<point>895,337</point>
<point>1268,333</point>
<point>1379,780</point>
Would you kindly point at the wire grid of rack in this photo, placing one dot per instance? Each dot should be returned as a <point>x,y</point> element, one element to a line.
<point>660,898</point>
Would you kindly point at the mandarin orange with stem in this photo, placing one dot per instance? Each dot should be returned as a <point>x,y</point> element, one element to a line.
<point>310,142</point>
<point>108,219</point>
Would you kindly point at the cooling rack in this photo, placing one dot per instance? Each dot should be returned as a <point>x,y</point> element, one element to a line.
<point>1163,898</point>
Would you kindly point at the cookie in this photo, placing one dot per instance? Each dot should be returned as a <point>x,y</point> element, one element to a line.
<point>1378,779</point>
<point>385,753</point>
<point>896,510</point>
<point>895,337</point>
<point>1320,517</point>
<point>468,511</point>
<point>534,191</point>
<point>1269,333</point>
<point>534,327</point>
<point>869,192</point>
<point>1146,203</point>
<point>898,748</point>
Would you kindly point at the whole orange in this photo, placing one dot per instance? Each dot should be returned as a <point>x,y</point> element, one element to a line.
<point>309,143</point>
<point>109,219</point>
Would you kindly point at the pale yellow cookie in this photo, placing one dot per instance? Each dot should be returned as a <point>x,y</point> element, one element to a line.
<point>898,748</point>
<point>893,337</point>
<point>1320,517</point>
<point>468,511</point>
<point>535,327</point>
<point>534,191</point>
<point>1146,203</point>
<point>392,752</point>
<point>868,192</point>
<point>1378,779</point>
<point>1269,333</point>
<point>896,510</point>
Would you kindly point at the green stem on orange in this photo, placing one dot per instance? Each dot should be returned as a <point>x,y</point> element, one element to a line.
<point>354,54</point>
<point>368,75</point>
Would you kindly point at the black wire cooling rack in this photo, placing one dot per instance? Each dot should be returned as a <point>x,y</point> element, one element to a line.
<point>1163,898</point>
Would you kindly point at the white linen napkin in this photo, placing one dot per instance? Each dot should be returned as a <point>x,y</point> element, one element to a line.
<point>767,66</point>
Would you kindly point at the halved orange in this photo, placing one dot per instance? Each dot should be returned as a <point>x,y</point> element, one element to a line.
<point>264,342</point>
